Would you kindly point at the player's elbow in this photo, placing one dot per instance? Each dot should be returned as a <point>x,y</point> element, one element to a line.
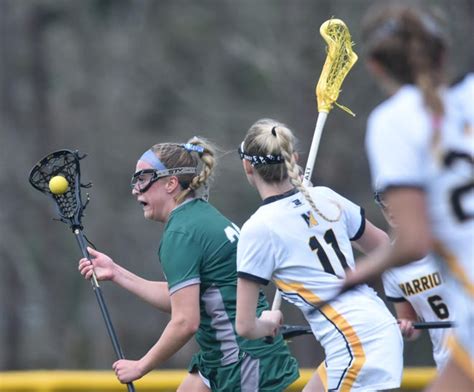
<point>187,325</point>
<point>372,239</point>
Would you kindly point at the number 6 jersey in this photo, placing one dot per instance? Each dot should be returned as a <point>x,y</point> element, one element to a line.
<point>421,284</point>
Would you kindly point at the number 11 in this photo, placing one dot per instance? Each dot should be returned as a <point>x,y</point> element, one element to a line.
<point>330,239</point>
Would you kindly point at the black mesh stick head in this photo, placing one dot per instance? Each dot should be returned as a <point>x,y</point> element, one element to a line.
<point>62,163</point>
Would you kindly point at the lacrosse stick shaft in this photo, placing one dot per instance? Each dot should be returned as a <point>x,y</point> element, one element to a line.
<point>103,307</point>
<point>276,300</point>
<point>433,325</point>
<point>318,130</point>
<point>291,331</point>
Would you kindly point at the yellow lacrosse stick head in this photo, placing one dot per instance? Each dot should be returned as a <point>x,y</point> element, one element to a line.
<point>339,61</point>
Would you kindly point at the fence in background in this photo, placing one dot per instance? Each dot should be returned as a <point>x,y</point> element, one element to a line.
<point>158,381</point>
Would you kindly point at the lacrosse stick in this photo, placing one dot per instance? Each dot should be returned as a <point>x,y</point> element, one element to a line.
<point>70,207</point>
<point>433,325</point>
<point>339,60</point>
<point>291,331</point>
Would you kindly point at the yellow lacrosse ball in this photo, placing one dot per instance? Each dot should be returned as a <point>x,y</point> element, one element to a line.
<point>58,185</point>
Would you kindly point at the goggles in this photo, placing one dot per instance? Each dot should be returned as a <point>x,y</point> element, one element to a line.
<point>142,180</point>
<point>258,160</point>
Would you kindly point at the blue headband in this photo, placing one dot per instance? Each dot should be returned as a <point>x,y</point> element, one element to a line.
<point>151,158</point>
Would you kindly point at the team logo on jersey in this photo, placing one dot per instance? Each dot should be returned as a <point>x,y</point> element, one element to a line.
<point>309,219</point>
<point>297,202</point>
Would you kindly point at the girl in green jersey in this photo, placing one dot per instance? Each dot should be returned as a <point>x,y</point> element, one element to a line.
<point>198,257</point>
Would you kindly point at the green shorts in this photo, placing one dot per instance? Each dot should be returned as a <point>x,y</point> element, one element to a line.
<point>271,373</point>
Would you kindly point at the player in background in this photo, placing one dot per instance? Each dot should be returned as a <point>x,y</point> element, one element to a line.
<point>301,239</point>
<point>417,291</point>
<point>198,256</point>
<point>420,145</point>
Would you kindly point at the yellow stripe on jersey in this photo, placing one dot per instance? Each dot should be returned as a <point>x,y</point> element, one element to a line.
<point>342,325</point>
<point>461,357</point>
<point>455,267</point>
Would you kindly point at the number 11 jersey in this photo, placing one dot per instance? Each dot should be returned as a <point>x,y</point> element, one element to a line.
<point>287,242</point>
<point>306,256</point>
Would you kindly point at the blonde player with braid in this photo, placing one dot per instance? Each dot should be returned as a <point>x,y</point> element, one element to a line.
<point>301,239</point>
<point>198,257</point>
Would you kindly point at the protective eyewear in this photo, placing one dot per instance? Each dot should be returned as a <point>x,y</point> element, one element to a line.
<point>143,180</point>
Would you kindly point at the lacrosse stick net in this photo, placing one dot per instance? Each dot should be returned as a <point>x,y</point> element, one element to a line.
<point>339,61</point>
<point>64,163</point>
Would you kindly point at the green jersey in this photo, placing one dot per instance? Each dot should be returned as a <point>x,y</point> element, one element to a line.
<point>199,246</point>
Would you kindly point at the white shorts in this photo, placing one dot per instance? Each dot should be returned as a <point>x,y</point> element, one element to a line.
<point>363,345</point>
<point>206,382</point>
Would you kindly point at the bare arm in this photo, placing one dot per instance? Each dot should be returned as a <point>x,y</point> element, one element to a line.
<point>372,239</point>
<point>185,319</point>
<point>247,323</point>
<point>406,316</point>
<point>155,293</point>
<point>412,230</point>
<point>412,233</point>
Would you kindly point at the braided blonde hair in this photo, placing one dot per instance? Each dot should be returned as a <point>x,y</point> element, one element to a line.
<point>177,155</point>
<point>270,137</point>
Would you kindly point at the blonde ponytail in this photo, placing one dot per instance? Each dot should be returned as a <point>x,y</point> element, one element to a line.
<point>206,153</point>
<point>197,153</point>
<point>268,137</point>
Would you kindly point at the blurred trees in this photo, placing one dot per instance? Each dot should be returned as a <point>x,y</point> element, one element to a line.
<point>112,78</point>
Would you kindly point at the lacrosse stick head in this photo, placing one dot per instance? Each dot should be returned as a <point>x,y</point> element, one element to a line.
<point>339,61</point>
<point>63,163</point>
